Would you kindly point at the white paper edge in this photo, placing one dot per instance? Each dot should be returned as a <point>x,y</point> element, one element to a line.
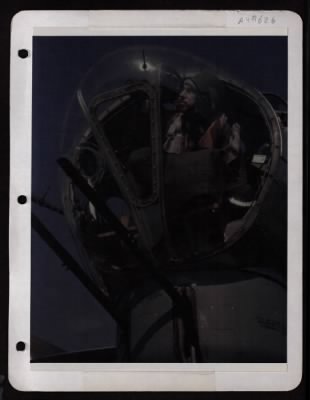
<point>145,377</point>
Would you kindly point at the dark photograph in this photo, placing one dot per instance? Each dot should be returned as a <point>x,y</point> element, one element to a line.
<point>159,199</point>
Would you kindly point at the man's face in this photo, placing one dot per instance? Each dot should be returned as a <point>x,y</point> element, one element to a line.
<point>187,97</point>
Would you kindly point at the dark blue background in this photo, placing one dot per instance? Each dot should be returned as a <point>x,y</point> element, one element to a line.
<point>62,312</point>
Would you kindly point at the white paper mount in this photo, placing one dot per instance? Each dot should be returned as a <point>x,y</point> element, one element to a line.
<point>146,377</point>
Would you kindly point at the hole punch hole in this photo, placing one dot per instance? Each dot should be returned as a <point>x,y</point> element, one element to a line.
<point>22,199</point>
<point>23,53</point>
<point>20,346</point>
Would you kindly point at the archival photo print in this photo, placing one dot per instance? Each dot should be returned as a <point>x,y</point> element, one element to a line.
<point>159,199</point>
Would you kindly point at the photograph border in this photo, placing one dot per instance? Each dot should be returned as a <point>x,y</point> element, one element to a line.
<point>146,377</point>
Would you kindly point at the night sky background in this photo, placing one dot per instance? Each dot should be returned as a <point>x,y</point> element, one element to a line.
<point>62,312</point>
